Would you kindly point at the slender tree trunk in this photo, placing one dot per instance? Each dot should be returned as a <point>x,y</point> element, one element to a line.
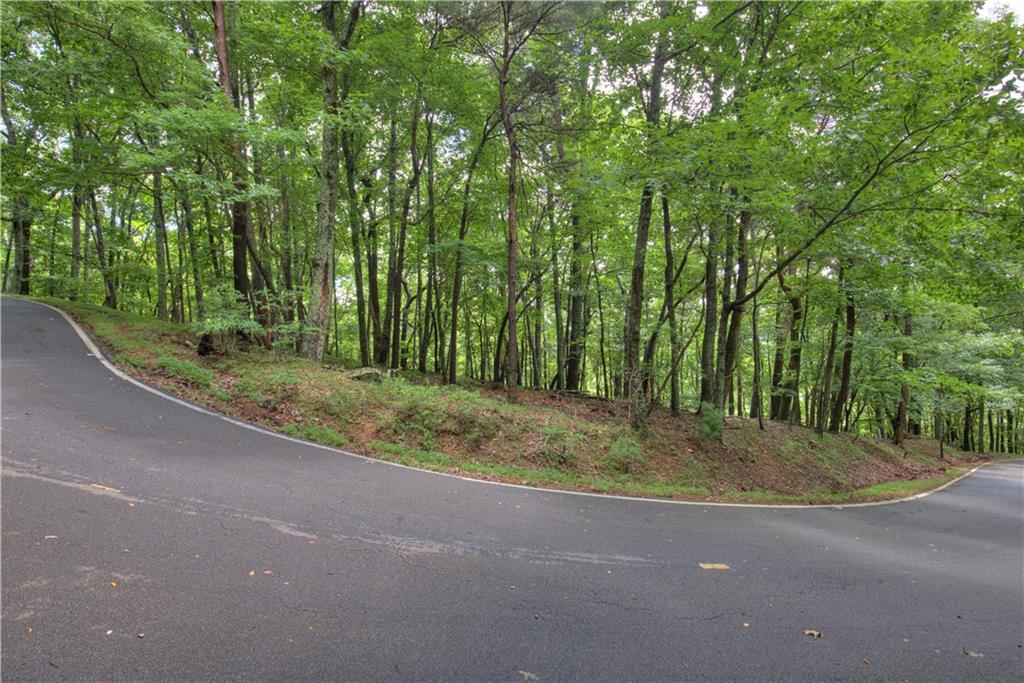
<point>372,272</point>
<point>22,227</point>
<point>826,383</point>
<point>197,275</point>
<point>556,294</point>
<point>789,400</point>
<point>707,351</point>
<point>670,299</point>
<point>736,306</point>
<point>286,239</point>
<point>51,258</point>
<point>981,426</point>
<point>355,230</point>
<point>177,274</point>
<point>262,280</point>
<point>572,337</point>
<point>512,282</point>
<point>600,317</point>
<point>756,400</point>
<point>459,257</point>
<point>354,216</point>
<point>8,248</point>
<point>967,442</point>
<point>900,424</point>
<point>783,322</point>
<point>719,385</point>
<point>76,241</point>
<point>431,255</point>
<point>847,363</point>
<point>397,322</point>
<point>538,294</point>
<point>109,288</point>
<point>77,202</point>
<point>382,351</point>
<point>1011,434</point>
<point>161,245</point>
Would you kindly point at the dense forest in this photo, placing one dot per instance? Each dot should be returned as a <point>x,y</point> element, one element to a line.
<point>802,212</point>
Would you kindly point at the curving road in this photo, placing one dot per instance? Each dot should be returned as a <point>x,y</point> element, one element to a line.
<point>145,540</point>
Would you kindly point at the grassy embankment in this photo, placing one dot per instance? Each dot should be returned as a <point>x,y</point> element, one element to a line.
<point>546,440</point>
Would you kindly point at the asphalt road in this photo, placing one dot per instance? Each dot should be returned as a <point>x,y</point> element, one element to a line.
<point>145,540</point>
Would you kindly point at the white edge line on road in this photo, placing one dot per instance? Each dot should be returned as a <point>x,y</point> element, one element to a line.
<point>101,357</point>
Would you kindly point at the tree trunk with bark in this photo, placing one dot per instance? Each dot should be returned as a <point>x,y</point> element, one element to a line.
<point>838,406</point>
<point>239,207</point>
<point>634,306</point>
<point>453,332</point>
<point>326,205</point>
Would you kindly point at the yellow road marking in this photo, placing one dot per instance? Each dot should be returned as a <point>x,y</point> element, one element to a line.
<point>713,565</point>
<point>105,488</point>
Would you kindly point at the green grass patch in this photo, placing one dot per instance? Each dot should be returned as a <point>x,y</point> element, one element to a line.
<point>185,370</point>
<point>568,480</point>
<point>413,457</point>
<point>220,394</point>
<point>318,433</point>
<point>901,489</point>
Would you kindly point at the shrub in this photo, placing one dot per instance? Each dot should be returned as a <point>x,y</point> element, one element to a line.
<point>557,447</point>
<point>624,455</point>
<point>416,418</point>
<point>225,316</point>
<point>285,336</point>
<point>711,420</point>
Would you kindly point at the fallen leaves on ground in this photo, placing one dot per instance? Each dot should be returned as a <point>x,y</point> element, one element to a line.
<point>812,633</point>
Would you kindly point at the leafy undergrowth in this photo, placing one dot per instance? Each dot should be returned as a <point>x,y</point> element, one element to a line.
<point>547,439</point>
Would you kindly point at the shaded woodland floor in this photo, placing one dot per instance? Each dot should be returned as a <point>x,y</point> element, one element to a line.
<point>548,439</point>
